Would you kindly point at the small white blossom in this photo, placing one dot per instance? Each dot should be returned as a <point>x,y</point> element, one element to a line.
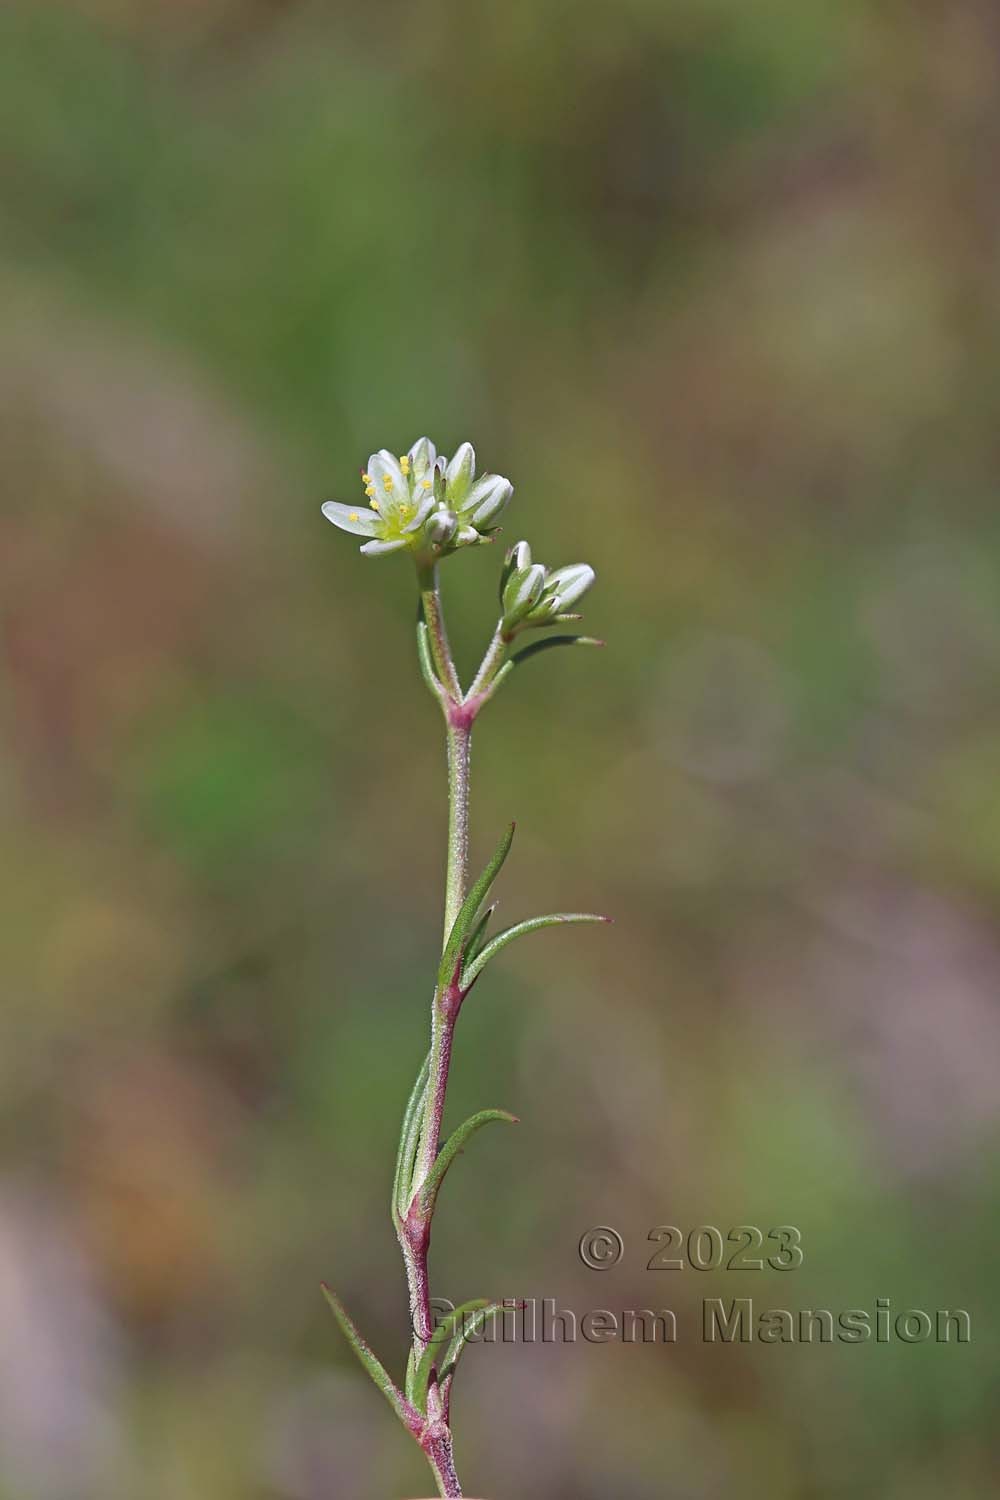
<point>423,503</point>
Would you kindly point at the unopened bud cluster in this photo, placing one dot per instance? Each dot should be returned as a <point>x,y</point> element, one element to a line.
<point>533,595</point>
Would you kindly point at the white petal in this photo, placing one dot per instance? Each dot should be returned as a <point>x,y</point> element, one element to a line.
<point>489,498</point>
<point>424,508</point>
<point>570,583</point>
<point>354,518</point>
<point>422,456</point>
<point>459,475</point>
<point>378,549</point>
<point>391,488</point>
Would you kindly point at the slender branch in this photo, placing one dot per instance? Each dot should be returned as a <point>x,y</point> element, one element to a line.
<point>430,598</point>
<point>490,664</point>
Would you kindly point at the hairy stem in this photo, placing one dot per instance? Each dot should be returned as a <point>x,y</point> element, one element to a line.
<point>415,1231</point>
<point>490,663</point>
<point>456,877</point>
<point>439,1456</point>
<point>430,598</point>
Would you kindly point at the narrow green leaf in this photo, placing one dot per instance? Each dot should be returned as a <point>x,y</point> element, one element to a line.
<point>411,1371</point>
<point>371,1362</point>
<point>461,1340</point>
<point>478,935</point>
<point>532,924</point>
<point>451,1148</point>
<point>408,1141</point>
<point>440,1342</point>
<point>470,910</point>
<point>462,1337</point>
<point>548,643</point>
<point>426,663</point>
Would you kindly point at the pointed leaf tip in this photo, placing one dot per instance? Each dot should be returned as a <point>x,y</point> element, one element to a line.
<point>448,1342</point>
<point>531,924</point>
<point>453,1146</point>
<point>371,1363</point>
<point>469,911</point>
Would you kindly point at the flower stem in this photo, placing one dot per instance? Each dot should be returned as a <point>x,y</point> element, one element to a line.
<point>430,598</point>
<point>415,1233</point>
<point>490,663</point>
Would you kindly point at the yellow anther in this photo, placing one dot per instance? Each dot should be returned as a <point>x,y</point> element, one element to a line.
<point>374,504</point>
<point>426,484</point>
<point>404,463</point>
<point>387,481</point>
<point>354,516</point>
<point>366,477</point>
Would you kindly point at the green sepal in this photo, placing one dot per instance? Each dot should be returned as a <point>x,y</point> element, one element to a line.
<point>452,1330</point>
<point>451,1148</point>
<point>548,643</point>
<point>408,1141</point>
<point>403,1408</point>
<point>470,911</point>
<point>531,924</point>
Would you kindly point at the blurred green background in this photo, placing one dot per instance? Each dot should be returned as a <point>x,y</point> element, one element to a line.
<point>716,286</point>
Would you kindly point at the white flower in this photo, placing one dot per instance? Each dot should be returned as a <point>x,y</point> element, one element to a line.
<point>423,503</point>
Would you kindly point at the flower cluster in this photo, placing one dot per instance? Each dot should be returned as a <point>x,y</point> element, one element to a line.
<point>532,595</point>
<point>424,502</point>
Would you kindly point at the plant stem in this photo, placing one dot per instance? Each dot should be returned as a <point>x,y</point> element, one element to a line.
<point>444,1009</point>
<point>457,873</point>
<point>439,1456</point>
<point>416,1231</point>
<point>489,664</point>
<point>430,598</point>
<point>415,1227</point>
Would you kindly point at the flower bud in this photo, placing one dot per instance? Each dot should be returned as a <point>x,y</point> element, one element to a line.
<point>516,558</point>
<point>441,527</point>
<point>521,593</point>
<point>488,500</point>
<point>569,583</point>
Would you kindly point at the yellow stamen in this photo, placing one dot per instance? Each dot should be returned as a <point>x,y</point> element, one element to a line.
<point>374,505</point>
<point>404,463</point>
<point>366,477</point>
<point>354,516</point>
<point>426,484</point>
<point>387,482</point>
